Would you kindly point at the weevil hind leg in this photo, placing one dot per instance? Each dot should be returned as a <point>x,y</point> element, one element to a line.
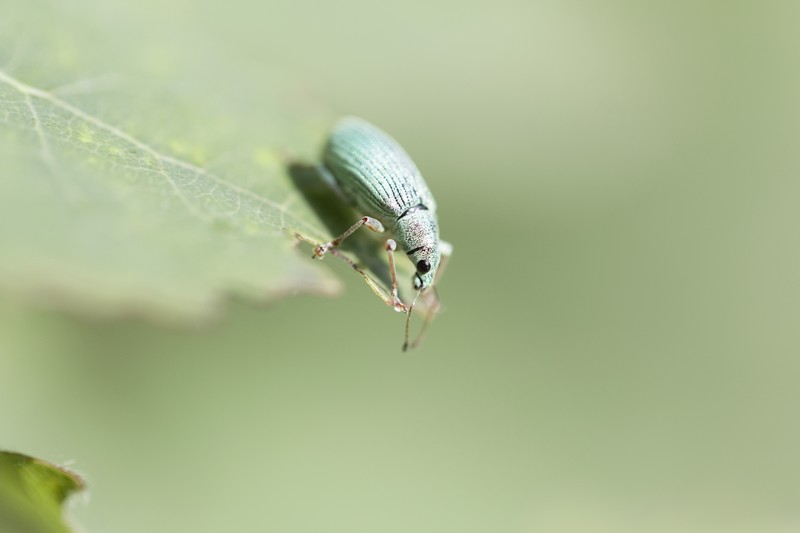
<point>369,222</point>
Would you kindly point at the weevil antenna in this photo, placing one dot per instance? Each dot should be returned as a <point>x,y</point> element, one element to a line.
<point>408,321</point>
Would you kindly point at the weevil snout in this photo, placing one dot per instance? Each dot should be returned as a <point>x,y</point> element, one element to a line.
<point>422,281</point>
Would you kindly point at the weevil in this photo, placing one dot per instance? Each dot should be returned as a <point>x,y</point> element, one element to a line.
<point>372,172</point>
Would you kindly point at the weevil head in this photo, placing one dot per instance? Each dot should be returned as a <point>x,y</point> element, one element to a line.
<point>418,235</point>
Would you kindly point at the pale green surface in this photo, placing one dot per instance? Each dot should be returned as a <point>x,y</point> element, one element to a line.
<point>619,350</point>
<point>32,492</point>
<point>130,188</point>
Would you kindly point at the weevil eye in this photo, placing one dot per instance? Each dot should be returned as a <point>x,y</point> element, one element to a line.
<point>423,266</point>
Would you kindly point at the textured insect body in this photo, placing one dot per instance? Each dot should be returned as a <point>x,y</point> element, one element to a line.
<point>373,172</point>
<point>379,178</point>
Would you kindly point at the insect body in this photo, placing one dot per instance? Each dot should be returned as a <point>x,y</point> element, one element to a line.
<point>373,172</point>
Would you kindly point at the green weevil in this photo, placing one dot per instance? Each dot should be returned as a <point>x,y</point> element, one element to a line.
<point>372,172</point>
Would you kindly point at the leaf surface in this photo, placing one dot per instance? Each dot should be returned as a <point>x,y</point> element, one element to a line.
<point>134,184</point>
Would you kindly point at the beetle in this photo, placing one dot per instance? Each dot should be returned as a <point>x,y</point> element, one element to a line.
<point>372,172</point>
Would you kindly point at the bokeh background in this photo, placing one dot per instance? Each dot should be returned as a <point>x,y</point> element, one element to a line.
<point>619,350</point>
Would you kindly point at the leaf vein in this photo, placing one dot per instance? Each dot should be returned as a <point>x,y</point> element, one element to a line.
<point>163,160</point>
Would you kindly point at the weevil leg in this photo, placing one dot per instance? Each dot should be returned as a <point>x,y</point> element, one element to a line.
<point>389,299</point>
<point>408,322</point>
<point>371,223</point>
<point>431,299</point>
<point>431,309</point>
<point>392,299</point>
<point>395,301</point>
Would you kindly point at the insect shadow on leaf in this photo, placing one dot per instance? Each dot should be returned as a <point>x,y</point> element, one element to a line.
<point>337,215</point>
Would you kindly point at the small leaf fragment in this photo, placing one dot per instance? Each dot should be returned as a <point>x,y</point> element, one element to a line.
<point>32,492</point>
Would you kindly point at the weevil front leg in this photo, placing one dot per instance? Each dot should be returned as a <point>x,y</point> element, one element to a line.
<point>392,300</point>
<point>371,223</point>
<point>434,306</point>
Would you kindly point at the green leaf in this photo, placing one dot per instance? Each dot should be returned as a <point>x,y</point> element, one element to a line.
<point>148,184</point>
<point>32,492</point>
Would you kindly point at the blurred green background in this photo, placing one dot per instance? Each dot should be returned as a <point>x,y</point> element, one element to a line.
<point>619,350</point>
